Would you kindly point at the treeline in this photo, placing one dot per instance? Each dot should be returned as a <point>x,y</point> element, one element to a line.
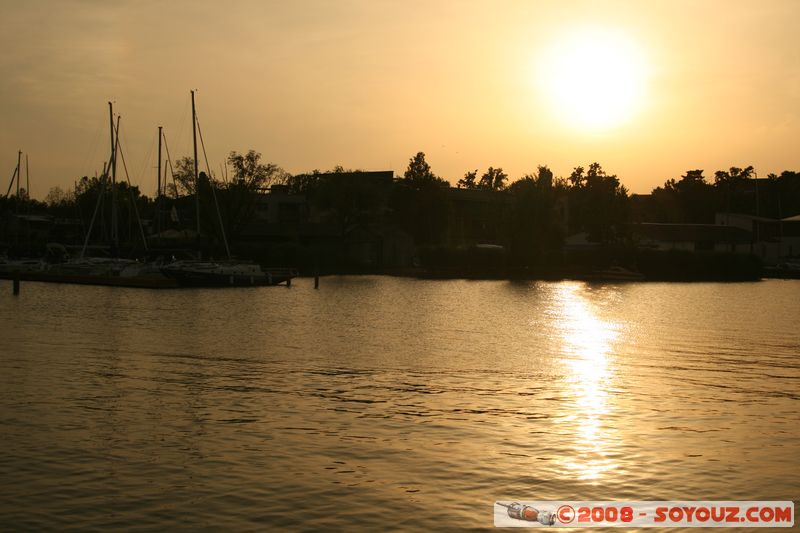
<point>530,218</point>
<point>695,199</point>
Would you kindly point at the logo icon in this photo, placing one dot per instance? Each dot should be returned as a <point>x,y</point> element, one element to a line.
<point>529,514</point>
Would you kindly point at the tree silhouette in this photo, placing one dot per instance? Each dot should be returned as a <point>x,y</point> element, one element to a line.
<point>692,199</point>
<point>598,203</point>
<point>419,201</point>
<point>129,200</point>
<point>251,174</point>
<point>734,175</point>
<point>57,196</point>
<point>733,191</point>
<point>239,196</point>
<point>576,177</point>
<point>493,179</point>
<point>469,180</point>
<point>419,174</point>
<point>544,176</point>
<point>534,226</point>
<point>183,176</point>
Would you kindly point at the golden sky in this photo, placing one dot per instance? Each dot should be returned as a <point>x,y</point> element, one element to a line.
<point>366,84</point>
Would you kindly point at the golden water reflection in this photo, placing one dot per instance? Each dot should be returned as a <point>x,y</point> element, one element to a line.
<point>586,342</point>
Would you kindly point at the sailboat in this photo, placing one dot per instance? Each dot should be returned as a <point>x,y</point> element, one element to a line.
<point>195,273</point>
<point>114,270</point>
<point>225,273</point>
<point>17,265</point>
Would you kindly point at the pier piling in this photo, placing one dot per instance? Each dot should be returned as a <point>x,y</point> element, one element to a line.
<point>16,285</point>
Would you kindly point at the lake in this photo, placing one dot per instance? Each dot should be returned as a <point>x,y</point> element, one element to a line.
<point>383,403</point>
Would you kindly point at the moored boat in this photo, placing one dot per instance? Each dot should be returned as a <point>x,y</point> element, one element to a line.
<point>191,273</point>
<point>613,273</point>
<point>12,266</point>
<point>785,270</point>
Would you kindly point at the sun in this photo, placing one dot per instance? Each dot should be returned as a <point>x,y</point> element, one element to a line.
<point>593,79</point>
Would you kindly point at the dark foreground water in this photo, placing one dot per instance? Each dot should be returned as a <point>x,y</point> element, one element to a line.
<point>389,404</point>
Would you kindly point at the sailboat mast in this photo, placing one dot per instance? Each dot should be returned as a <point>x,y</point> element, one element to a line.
<point>158,175</point>
<point>196,175</point>
<point>158,184</point>
<point>11,183</point>
<point>103,179</point>
<point>114,226</point>
<point>19,170</point>
<point>27,178</point>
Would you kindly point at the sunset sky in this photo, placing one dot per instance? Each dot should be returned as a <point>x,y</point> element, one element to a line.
<point>648,89</point>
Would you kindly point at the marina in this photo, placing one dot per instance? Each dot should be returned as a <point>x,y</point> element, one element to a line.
<point>150,275</point>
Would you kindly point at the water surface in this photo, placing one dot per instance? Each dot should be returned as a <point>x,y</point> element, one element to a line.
<point>389,404</point>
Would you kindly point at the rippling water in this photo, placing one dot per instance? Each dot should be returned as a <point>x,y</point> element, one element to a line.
<point>389,404</point>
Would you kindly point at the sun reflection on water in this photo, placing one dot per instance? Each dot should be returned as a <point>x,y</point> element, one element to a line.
<point>586,344</point>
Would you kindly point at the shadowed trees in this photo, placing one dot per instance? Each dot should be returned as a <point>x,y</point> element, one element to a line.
<point>689,200</point>
<point>535,223</point>
<point>57,197</point>
<point>83,199</point>
<point>238,196</point>
<point>469,181</point>
<point>542,209</point>
<point>692,199</point>
<point>418,175</point>
<point>782,196</point>
<point>22,205</point>
<point>735,195</point>
<point>419,201</point>
<point>249,174</point>
<point>734,175</point>
<point>183,178</point>
<point>494,179</point>
<point>598,203</point>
